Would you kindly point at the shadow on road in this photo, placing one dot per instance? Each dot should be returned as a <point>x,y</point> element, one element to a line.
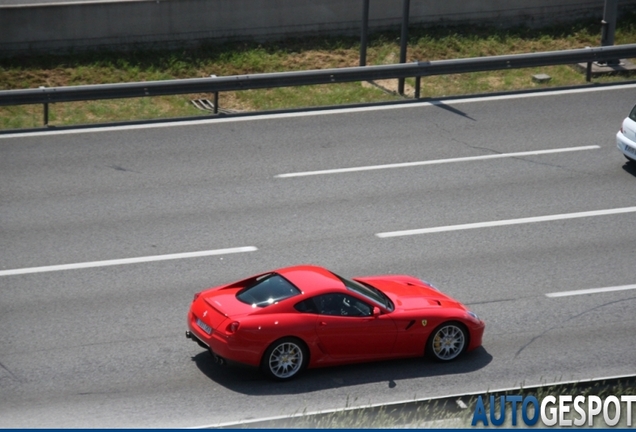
<point>451,109</point>
<point>250,381</point>
<point>630,167</point>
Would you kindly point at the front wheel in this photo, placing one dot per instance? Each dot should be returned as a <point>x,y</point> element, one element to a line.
<point>284,359</point>
<point>447,342</point>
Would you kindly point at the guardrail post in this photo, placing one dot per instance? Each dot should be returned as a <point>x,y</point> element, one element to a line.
<point>417,86</point>
<point>608,26</point>
<point>216,98</point>
<point>588,70</point>
<point>46,111</point>
<point>404,40</point>
<point>364,32</point>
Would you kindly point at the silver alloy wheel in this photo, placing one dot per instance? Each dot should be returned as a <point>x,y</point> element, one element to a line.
<point>285,360</point>
<point>448,342</point>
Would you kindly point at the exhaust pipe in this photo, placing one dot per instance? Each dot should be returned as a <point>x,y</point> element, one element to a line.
<point>217,359</point>
<point>192,337</point>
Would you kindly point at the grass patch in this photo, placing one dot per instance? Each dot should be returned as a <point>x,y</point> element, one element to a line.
<point>431,43</point>
<point>446,412</point>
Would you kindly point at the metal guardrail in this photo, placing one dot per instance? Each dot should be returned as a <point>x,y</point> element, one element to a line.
<point>47,95</point>
<point>443,412</point>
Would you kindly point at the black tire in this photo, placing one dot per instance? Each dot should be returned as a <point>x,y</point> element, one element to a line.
<point>447,342</point>
<point>630,159</point>
<point>285,359</point>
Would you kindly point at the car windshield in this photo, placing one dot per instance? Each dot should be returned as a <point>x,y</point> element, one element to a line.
<point>368,291</point>
<point>266,290</point>
<point>632,115</point>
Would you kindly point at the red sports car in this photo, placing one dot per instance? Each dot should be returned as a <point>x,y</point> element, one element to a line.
<point>289,319</point>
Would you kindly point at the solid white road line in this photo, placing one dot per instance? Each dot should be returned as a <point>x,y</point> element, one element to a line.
<point>590,291</point>
<point>127,261</point>
<point>436,161</point>
<point>507,222</point>
<point>294,114</point>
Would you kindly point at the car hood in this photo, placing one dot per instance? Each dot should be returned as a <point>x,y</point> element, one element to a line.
<point>409,293</point>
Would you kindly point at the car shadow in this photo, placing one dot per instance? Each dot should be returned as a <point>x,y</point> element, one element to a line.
<point>251,381</point>
<point>630,167</point>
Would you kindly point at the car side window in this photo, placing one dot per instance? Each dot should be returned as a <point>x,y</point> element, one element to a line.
<point>338,304</point>
<point>306,306</point>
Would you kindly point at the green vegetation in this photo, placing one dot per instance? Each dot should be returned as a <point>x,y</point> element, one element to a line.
<point>434,43</point>
<point>446,413</point>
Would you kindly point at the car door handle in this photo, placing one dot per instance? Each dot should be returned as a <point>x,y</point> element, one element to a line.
<point>322,323</point>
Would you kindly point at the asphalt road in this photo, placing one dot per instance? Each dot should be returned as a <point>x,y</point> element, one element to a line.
<point>104,346</point>
<point>42,2</point>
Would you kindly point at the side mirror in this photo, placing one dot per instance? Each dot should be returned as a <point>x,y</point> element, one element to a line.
<point>376,311</point>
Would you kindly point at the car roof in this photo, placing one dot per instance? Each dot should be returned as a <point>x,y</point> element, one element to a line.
<point>311,279</point>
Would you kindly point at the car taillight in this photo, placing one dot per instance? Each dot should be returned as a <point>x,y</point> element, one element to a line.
<point>233,327</point>
<point>196,296</point>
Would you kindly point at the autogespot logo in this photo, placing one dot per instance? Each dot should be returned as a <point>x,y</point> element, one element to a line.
<point>564,410</point>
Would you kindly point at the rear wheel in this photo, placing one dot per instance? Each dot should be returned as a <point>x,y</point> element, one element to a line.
<point>284,359</point>
<point>447,342</point>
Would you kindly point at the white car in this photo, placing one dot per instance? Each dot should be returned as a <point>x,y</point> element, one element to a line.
<point>626,136</point>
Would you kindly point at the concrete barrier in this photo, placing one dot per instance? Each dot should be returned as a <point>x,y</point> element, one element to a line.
<point>64,27</point>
